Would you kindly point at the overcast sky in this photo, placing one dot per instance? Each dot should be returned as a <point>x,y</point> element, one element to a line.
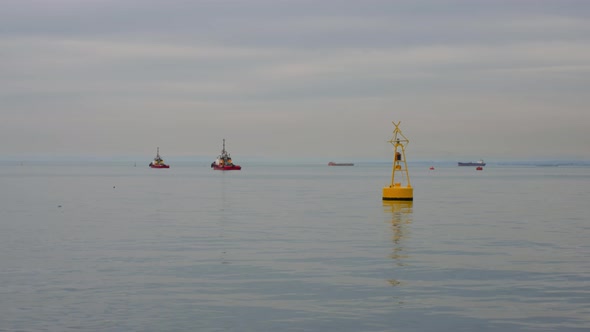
<point>280,79</point>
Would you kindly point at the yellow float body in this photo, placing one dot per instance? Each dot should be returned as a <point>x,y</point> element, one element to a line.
<point>398,193</point>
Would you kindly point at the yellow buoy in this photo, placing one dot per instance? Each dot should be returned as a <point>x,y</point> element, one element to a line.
<point>402,190</point>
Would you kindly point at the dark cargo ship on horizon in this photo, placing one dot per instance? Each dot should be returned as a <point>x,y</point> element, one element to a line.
<point>340,164</point>
<point>473,163</point>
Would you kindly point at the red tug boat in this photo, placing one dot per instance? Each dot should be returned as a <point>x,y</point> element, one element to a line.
<point>224,162</point>
<point>158,161</point>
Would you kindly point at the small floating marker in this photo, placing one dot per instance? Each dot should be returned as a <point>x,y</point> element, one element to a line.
<point>479,168</point>
<point>399,191</point>
<point>432,168</point>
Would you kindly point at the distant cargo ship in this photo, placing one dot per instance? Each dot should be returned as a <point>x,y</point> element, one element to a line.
<point>340,164</point>
<point>473,163</point>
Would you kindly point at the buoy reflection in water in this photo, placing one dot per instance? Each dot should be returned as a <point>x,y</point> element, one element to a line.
<point>401,216</point>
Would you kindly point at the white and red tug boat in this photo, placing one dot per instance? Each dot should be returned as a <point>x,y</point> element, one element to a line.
<point>224,162</point>
<point>158,161</point>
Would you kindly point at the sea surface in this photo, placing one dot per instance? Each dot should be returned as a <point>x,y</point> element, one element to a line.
<point>293,247</point>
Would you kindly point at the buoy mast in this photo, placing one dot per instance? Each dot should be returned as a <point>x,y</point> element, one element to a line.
<point>396,191</point>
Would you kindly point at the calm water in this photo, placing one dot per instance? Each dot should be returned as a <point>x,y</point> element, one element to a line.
<point>293,248</point>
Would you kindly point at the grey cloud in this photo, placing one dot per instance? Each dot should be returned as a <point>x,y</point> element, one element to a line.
<point>267,68</point>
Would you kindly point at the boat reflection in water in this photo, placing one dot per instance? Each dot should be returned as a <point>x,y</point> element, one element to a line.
<point>401,214</point>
